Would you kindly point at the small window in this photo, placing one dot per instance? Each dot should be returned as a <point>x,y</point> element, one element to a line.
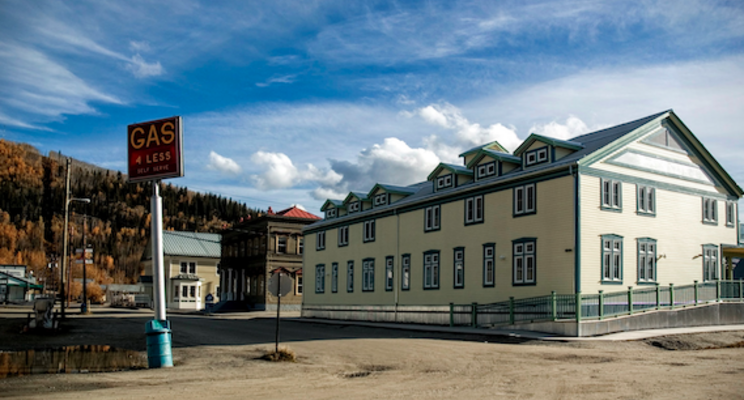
<point>388,273</point>
<point>537,156</point>
<point>281,245</point>
<point>320,238</point>
<point>431,270</point>
<point>612,259</point>
<point>369,231</point>
<point>192,291</point>
<point>710,263</point>
<point>730,214</point>
<point>184,268</point>
<point>525,268</point>
<point>381,199</point>
<point>542,155</point>
<point>432,218</point>
<point>331,213</point>
<point>368,275</point>
<point>301,246</point>
<point>489,249</point>
<point>646,260</point>
<point>459,268</point>
<point>474,210</point>
<point>354,207</point>
<point>334,278</point>
<point>444,181</point>
<point>192,268</point>
<point>486,170</point>
<point>646,200</point>
<point>491,169</point>
<point>298,285</point>
<point>525,201</point>
<point>481,171</point>
<point>350,276</point>
<point>343,236</point>
<point>611,195</point>
<point>320,278</point>
<point>710,211</point>
<point>405,283</point>
<point>184,291</point>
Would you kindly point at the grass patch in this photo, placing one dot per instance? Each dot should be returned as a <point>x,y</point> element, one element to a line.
<point>284,354</point>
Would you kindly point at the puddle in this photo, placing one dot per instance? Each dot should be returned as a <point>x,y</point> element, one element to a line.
<point>70,360</point>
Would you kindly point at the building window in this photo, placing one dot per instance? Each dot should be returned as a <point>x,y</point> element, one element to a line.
<point>320,240</point>
<point>537,156</point>
<point>710,262</point>
<point>354,207</point>
<point>710,211</point>
<point>473,210</point>
<point>646,260</point>
<point>381,199</point>
<point>525,267</point>
<point>184,267</point>
<point>184,291</point>
<point>432,218</point>
<point>431,269</point>
<point>192,291</point>
<point>343,236</point>
<point>646,199</point>
<point>331,213</point>
<point>489,251</point>
<point>459,268</point>
<point>334,278</point>
<point>368,275</point>
<point>444,181</point>
<point>388,273</point>
<point>301,246</point>
<point>612,198</point>
<point>350,276</point>
<point>192,268</point>
<point>405,278</point>
<point>281,245</point>
<point>730,214</point>
<point>298,283</point>
<point>369,231</point>
<point>525,200</point>
<point>486,170</point>
<point>320,278</point>
<point>612,259</point>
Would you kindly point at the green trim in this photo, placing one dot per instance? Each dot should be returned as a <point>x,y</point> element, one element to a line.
<point>455,169</point>
<point>391,189</point>
<point>646,240</point>
<point>621,269</point>
<point>439,270</point>
<point>335,203</point>
<point>638,203</point>
<point>613,161</point>
<point>439,227</point>
<point>372,289</point>
<point>334,277</point>
<point>317,274</point>
<point>524,193</point>
<point>465,211</point>
<point>403,257</point>
<point>392,270</point>
<point>362,197</point>
<point>602,205</point>
<point>547,140</point>
<point>350,282</point>
<point>454,267</point>
<point>493,247</point>
<point>623,141</point>
<point>598,173</point>
<point>524,240</point>
<point>486,146</point>
<point>498,156</point>
<point>537,162</point>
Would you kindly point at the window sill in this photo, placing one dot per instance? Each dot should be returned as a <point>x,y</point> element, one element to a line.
<point>524,214</point>
<point>612,282</point>
<point>647,283</point>
<point>524,284</point>
<point>711,223</point>
<point>646,214</point>
<point>611,209</point>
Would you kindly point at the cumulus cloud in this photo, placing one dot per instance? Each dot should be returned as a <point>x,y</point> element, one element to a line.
<point>279,172</point>
<point>141,69</point>
<point>223,164</point>
<point>572,128</point>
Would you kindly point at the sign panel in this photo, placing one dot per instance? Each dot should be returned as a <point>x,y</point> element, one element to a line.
<point>88,256</point>
<point>278,280</point>
<point>155,150</point>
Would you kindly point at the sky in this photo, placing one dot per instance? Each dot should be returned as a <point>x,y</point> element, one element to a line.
<point>294,102</point>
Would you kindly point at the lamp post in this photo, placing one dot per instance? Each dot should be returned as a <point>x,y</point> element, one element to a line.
<point>66,233</point>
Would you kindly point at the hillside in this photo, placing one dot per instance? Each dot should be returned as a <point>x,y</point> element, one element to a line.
<point>118,227</point>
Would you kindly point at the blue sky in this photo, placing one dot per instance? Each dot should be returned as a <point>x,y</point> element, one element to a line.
<point>288,102</point>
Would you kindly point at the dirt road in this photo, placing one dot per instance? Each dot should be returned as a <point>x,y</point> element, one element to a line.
<point>218,358</point>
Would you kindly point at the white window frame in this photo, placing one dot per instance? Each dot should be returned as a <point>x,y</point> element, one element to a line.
<point>369,231</point>
<point>405,283</point>
<point>612,259</point>
<point>710,263</point>
<point>381,199</point>
<point>279,241</point>
<point>301,245</point>
<point>389,273</point>
<point>320,240</point>
<point>184,267</point>
<point>646,198</point>
<point>298,285</point>
<point>320,278</point>
<point>431,269</point>
<point>343,235</point>
<point>354,206</point>
<point>474,210</point>
<point>525,199</point>
<point>368,275</point>
<point>331,213</point>
<point>444,181</point>
<point>432,216</point>
<point>458,268</point>
<point>730,214</point>
<point>542,155</point>
<point>489,264</point>
<point>710,211</point>
<point>611,194</point>
<point>647,260</point>
<point>350,276</point>
<point>334,278</point>
<point>524,263</point>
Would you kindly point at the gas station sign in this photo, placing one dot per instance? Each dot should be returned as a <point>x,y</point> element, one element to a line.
<point>155,149</point>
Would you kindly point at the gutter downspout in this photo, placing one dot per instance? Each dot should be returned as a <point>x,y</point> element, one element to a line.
<point>397,258</point>
<point>577,242</point>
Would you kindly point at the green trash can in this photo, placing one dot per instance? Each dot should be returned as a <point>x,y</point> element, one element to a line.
<point>158,344</point>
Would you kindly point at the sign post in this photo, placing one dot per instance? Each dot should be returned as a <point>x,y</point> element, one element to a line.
<point>279,285</point>
<point>155,152</point>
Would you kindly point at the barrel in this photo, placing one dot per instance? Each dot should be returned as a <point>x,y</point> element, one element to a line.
<point>158,344</point>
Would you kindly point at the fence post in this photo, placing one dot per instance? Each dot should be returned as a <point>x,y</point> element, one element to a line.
<point>452,315</point>
<point>671,296</point>
<point>511,310</point>
<point>601,304</point>
<point>718,291</point>
<point>578,306</point>
<point>658,297</point>
<point>475,315</point>
<point>553,304</point>
<point>696,292</point>
<point>630,300</point>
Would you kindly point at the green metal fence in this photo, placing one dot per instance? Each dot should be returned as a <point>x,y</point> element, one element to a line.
<point>595,306</point>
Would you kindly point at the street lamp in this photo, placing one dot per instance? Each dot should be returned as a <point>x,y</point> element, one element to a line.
<point>65,245</point>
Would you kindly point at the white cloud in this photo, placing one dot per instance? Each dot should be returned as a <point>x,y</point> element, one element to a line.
<point>223,164</point>
<point>278,79</point>
<point>300,206</point>
<point>572,128</point>
<point>137,47</point>
<point>141,69</point>
<point>279,172</point>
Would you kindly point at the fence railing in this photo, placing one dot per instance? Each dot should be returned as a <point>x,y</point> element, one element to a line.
<point>595,306</point>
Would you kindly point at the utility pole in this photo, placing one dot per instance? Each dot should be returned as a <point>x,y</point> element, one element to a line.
<point>65,244</point>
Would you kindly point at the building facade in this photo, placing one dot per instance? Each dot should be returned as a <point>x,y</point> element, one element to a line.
<point>191,265</point>
<point>638,204</point>
<point>255,249</point>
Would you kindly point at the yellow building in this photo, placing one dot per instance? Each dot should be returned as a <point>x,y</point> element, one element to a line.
<point>635,205</point>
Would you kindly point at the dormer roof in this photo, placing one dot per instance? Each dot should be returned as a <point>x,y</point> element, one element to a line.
<point>402,190</point>
<point>455,169</point>
<point>359,195</point>
<point>568,144</point>
<point>496,155</point>
<point>496,146</point>
<point>332,203</point>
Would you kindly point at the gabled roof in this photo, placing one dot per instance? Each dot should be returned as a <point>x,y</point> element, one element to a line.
<point>568,144</point>
<point>191,244</point>
<point>496,155</point>
<point>455,169</point>
<point>334,203</point>
<point>404,190</point>
<point>361,196</point>
<point>491,145</point>
<point>295,212</point>
<point>12,280</point>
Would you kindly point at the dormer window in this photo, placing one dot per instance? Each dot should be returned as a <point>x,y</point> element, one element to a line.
<point>354,207</point>
<point>537,156</point>
<point>381,199</point>
<point>331,213</point>
<point>486,170</point>
<point>444,181</point>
